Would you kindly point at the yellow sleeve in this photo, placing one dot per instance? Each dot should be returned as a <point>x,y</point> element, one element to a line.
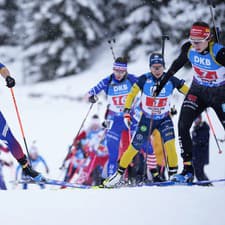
<point>130,97</point>
<point>184,89</point>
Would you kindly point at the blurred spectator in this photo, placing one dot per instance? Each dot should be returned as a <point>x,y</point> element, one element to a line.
<point>36,160</point>
<point>2,181</point>
<point>200,140</point>
<point>87,155</point>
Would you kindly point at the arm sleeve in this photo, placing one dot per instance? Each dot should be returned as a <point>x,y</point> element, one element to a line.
<point>177,64</point>
<point>180,85</point>
<point>130,98</point>
<point>102,85</point>
<point>44,162</point>
<point>220,57</point>
<point>184,89</point>
<point>134,91</point>
<point>1,66</point>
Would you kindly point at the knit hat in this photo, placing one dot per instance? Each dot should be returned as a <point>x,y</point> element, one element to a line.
<point>156,58</point>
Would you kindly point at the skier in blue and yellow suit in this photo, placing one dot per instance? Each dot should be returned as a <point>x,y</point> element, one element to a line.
<point>155,110</point>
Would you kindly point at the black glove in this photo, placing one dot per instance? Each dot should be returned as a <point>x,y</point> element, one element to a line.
<point>104,124</point>
<point>10,82</point>
<point>28,170</point>
<point>93,98</point>
<point>160,84</point>
<point>156,89</point>
<point>173,111</point>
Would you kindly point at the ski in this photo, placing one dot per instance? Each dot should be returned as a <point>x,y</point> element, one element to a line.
<point>208,181</point>
<point>56,183</point>
<point>196,183</point>
<point>157,184</point>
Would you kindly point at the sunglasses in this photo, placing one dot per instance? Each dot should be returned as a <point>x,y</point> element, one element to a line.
<point>198,41</point>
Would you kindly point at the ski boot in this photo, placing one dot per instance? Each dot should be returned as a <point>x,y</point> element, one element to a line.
<point>156,176</point>
<point>187,175</point>
<point>172,171</point>
<point>29,171</point>
<point>115,179</point>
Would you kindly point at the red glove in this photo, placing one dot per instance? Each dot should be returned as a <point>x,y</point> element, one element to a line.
<point>127,119</point>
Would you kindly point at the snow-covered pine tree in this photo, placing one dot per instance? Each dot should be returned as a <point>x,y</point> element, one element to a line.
<point>58,36</point>
<point>8,12</point>
<point>145,21</point>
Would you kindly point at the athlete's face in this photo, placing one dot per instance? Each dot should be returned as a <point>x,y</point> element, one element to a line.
<point>119,74</point>
<point>157,70</point>
<point>199,44</point>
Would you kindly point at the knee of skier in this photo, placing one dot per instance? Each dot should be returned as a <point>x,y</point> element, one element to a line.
<point>184,125</point>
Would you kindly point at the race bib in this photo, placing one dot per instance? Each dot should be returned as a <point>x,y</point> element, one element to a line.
<point>206,75</point>
<point>119,100</point>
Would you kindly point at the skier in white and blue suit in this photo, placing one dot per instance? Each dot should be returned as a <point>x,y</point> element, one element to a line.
<point>116,87</point>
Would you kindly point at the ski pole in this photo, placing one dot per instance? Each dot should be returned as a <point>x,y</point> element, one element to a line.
<point>20,123</point>
<point>212,129</point>
<point>111,42</point>
<point>164,38</point>
<point>82,124</point>
<point>85,118</point>
<point>216,29</point>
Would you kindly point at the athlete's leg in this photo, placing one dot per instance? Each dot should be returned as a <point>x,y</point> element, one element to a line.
<point>113,142</point>
<point>6,134</point>
<point>191,108</point>
<point>166,129</point>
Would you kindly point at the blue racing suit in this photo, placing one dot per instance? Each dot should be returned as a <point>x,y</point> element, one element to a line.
<point>116,92</point>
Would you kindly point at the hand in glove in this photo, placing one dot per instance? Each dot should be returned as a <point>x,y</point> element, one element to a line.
<point>29,171</point>
<point>104,124</point>
<point>173,111</point>
<point>10,82</point>
<point>93,99</point>
<point>127,118</point>
<point>161,84</point>
<point>155,89</point>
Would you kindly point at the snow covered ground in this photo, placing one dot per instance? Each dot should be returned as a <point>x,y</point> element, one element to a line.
<point>52,118</point>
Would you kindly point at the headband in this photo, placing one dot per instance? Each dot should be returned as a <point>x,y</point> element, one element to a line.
<point>119,66</point>
<point>200,32</point>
